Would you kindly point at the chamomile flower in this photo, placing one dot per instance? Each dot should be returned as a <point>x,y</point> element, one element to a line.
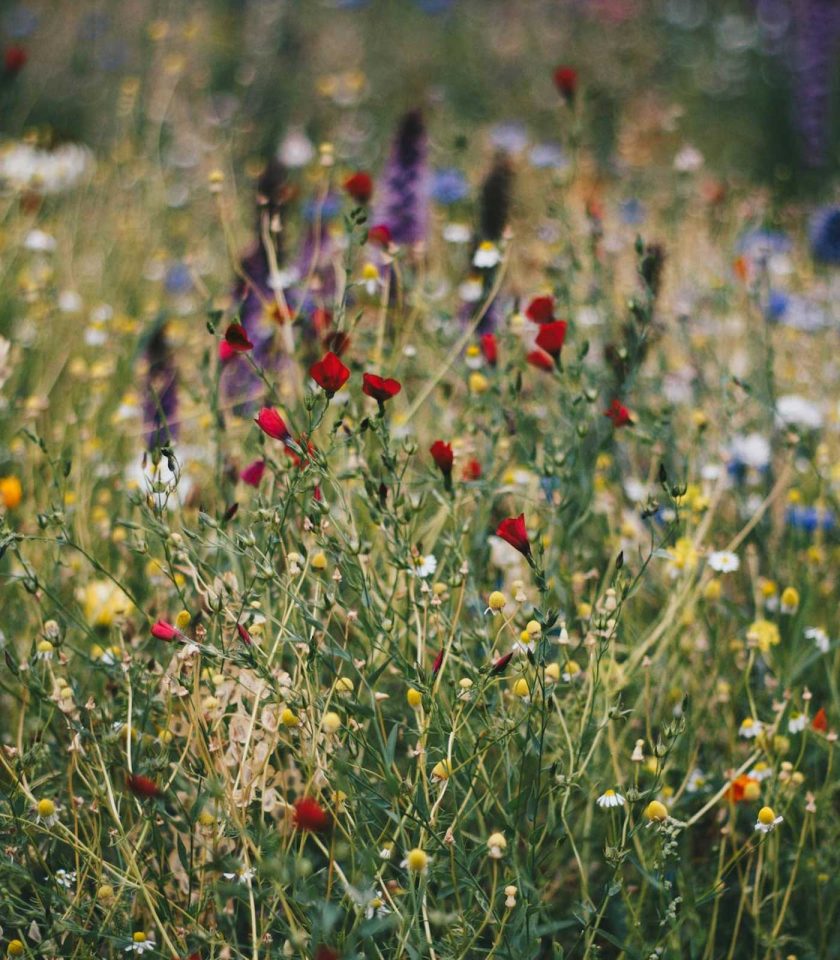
<point>750,728</point>
<point>242,875</point>
<point>724,561</point>
<point>376,906</point>
<point>767,820</point>
<point>496,602</point>
<point>797,722</point>
<point>387,851</point>
<point>44,650</point>
<point>820,638</point>
<point>789,601</point>
<point>761,771</point>
<point>140,943</point>
<point>696,781</point>
<point>487,256</point>
<point>416,861</point>
<point>572,672</point>
<point>46,812</point>
<point>424,566</point>
<point>609,799</point>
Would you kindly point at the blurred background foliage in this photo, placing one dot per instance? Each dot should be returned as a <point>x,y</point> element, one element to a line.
<point>728,76</point>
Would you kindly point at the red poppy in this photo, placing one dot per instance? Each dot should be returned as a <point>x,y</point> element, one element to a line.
<point>162,630</point>
<point>442,455</point>
<point>237,339</point>
<point>226,351</point>
<point>472,470</point>
<point>360,186</point>
<point>512,531</point>
<point>540,359</point>
<point>619,414</point>
<point>566,81</point>
<point>142,786</point>
<point>272,424</point>
<point>820,721</point>
<point>490,348</point>
<point>381,389</point>
<point>540,310</point>
<point>380,235</point>
<point>551,337</point>
<point>499,666</point>
<point>253,473</point>
<point>14,59</point>
<point>244,636</point>
<point>329,373</point>
<point>310,815</point>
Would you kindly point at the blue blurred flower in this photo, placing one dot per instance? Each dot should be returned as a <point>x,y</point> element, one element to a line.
<point>760,245</point>
<point>178,279</point>
<point>331,208</point>
<point>546,156</point>
<point>449,186</point>
<point>825,235</point>
<point>632,212</point>
<point>810,519</point>
<point>509,136</point>
<point>777,304</point>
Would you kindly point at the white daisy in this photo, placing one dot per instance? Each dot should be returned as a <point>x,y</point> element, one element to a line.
<point>797,722</point>
<point>241,875</point>
<point>376,906</point>
<point>696,781</point>
<point>750,728</point>
<point>471,290</point>
<point>820,638</point>
<point>424,566</point>
<point>457,233</point>
<point>767,820</point>
<point>140,943</point>
<point>609,798</point>
<point>724,561</point>
<point>761,771</point>
<point>487,256</point>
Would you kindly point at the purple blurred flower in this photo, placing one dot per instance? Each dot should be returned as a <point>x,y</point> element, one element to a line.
<point>403,196</point>
<point>816,34</point>
<point>160,403</point>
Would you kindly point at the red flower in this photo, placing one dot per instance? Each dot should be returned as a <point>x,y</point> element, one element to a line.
<point>438,663</point>
<point>244,636</point>
<point>360,186</point>
<point>142,786</point>
<point>329,373</point>
<point>566,81</point>
<point>310,815</point>
<point>540,310</point>
<point>499,666</point>
<point>540,360</point>
<point>381,389</point>
<point>513,531</point>
<point>237,339</point>
<point>380,235</point>
<point>551,337</point>
<point>442,455</point>
<point>162,630</point>
<point>619,414</point>
<point>490,348</point>
<point>820,721</point>
<point>253,473</point>
<point>472,470</point>
<point>272,424</point>
<point>14,59</point>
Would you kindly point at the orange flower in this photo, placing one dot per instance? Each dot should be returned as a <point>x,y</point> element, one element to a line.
<point>11,492</point>
<point>742,788</point>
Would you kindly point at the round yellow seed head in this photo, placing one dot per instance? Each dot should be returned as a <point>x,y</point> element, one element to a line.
<point>139,937</point>
<point>344,685</point>
<point>533,629</point>
<point>497,840</point>
<point>319,561</point>
<point>766,815</point>
<point>288,718</point>
<point>656,810</point>
<point>46,808</point>
<point>496,601</point>
<point>478,383</point>
<point>552,672</point>
<point>414,697</point>
<point>105,892</point>
<point>44,646</point>
<point>15,948</point>
<point>752,791</point>
<point>417,860</point>
<point>790,597</point>
<point>206,819</point>
<point>331,722</point>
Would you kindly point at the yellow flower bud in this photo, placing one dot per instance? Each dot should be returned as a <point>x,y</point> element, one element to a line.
<point>656,811</point>
<point>414,697</point>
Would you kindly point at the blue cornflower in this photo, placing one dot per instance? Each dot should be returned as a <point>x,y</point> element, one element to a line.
<point>449,186</point>
<point>825,235</point>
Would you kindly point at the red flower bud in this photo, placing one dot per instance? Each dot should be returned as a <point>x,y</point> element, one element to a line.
<point>490,348</point>
<point>442,455</point>
<point>380,235</point>
<point>619,414</point>
<point>360,186</point>
<point>141,786</point>
<point>272,424</point>
<point>14,59</point>
<point>540,359</point>
<point>244,636</point>
<point>253,473</point>
<point>499,666</point>
<point>540,310</point>
<point>237,339</point>
<point>472,470</point>
<point>566,81</point>
<point>438,663</point>
<point>311,816</point>
<point>820,721</point>
<point>513,531</point>
<point>551,337</point>
<point>379,388</point>
<point>162,630</point>
<point>330,374</point>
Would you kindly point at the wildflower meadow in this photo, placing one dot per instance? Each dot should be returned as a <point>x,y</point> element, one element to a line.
<point>419,477</point>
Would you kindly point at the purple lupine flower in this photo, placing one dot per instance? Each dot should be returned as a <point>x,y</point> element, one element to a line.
<point>403,204</point>
<point>816,36</point>
<point>160,403</point>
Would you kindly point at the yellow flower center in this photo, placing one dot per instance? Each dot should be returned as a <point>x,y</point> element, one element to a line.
<point>417,860</point>
<point>766,815</point>
<point>46,808</point>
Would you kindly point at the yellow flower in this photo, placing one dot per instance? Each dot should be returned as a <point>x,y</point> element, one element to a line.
<point>713,589</point>
<point>552,672</point>
<point>478,383</point>
<point>11,494</point>
<point>521,688</point>
<point>331,722</point>
<point>344,685</point>
<point>15,948</point>
<point>414,697</point>
<point>288,718</point>
<point>683,555</point>
<point>417,860</point>
<point>319,561</point>
<point>763,634</point>
<point>441,770</point>
<point>182,621</point>
<point>766,815</point>
<point>789,600</point>
<point>496,601</point>
<point>46,808</point>
<point>496,845</point>
<point>656,811</point>
<point>103,601</point>
<point>105,893</point>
